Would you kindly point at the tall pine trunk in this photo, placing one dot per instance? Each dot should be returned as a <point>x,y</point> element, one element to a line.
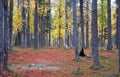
<point>19,33</point>
<point>82,22</point>
<point>6,34</point>
<point>95,33</point>
<point>117,11</point>
<point>24,32</point>
<point>59,24</point>
<point>1,35</point>
<point>49,21</point>
<point>28,25</point>
<point>11,21</point>
<point>118,27</point>
<point>87,24</point>
<point>36,26</point>
<point>66,27</point>
<point>109,47</point>
<point>75,30</point>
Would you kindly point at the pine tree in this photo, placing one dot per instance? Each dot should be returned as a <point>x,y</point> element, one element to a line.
<point>36,26</point>
<point>94,33</point>
<point>82,22</point>
<point>66,27</point>
<point>24,26</point>
<point>118,27</point>
<point>109,25</point>
<point>1,35</point>
<point>75,30</point>
<point>87,24</point>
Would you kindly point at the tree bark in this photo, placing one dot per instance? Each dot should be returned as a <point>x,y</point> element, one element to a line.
<point>1,35</point>
<point>94,33</point>
<point>36,26</point>
<point>59,24</point>
<point>66,27</point>
<point>75,30</point>
<point>117,11</point>
<point>24,32</point>
<point>6,34</point>
<point>11,21</point>
<point>109,47</point>
<point>82,22</point>
<point>28,25</point>
<point>118,27</point>
<point>87,24</point>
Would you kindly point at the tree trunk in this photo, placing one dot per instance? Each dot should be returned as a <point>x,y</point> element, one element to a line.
<point>109,47</point>
<point>1,35</point>
<point>36,26</point>
<point>49,21</point>
<point>11,21</point>
<point>6,34</point>
<point>117,11</point>
<point>94,32</point>
<point>87,24</point>
<point>82,22</point>
<point>59,23</point>
<point>66,27</point>
<point>118,27</point>
<point>28,25</point>
<point>18,38</point>
<point>75,30</point>
<point>24,34</point>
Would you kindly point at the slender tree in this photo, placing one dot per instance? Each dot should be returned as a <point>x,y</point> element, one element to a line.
<point>66,27</point>
<point>24,27</point>
<point>11,21</point>
<point>42,27</point>
<point>49,21</point>
<point>6,34</point>
<point>75,30</point>
<point>36,26</point>
<point>118,27</point>
<point>82,22</point>
<point>1,35</point>
<point>59,22</point>
<point>28,26</point>
<point>109,47</point>
<point>94,32</point>
<point>117,23</point>
<point>87,24</point>
<point>18,32</point>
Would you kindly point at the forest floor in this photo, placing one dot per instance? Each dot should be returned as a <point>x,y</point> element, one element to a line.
<point>58,62</point>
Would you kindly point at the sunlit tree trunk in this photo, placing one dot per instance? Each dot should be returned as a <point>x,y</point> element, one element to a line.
<point>75,30</point>
<point>102,25</point>
<point>94,32</point>
<point>59,24</point>
<point>109,47</point>
<point>66,27</point>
